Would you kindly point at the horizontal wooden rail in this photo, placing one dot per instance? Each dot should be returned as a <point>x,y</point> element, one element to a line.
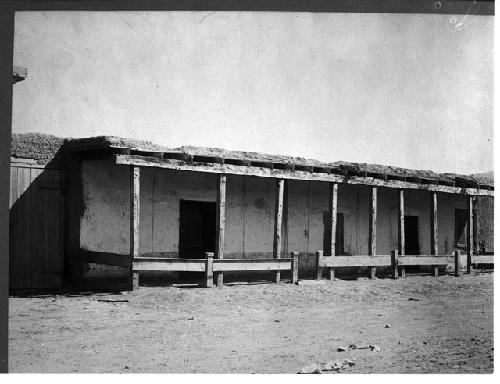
<point>159,264</point>
<point>482,259</point>
<point>394,261</point>
<point>415,260</point>
<point>356,261</point>
<point>226,265</point>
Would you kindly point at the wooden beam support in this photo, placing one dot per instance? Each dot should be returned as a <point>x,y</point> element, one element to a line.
<point>434,223</point>
<point>334,190</point>
<point>221,224</point>
<point>278,221</point>
<point>436,270</point>
<point>230,169</point>
<point>209,270</point>
<point>470,232</point>
<point>135,177</point>
<point>401,228</point>
<point>295,267</point>
<point>394,263</point>
<point>319,263</point>
<point>373,229</point>
<point>457,263</point>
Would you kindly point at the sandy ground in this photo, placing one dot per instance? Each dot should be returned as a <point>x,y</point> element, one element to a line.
<point>446,327</point>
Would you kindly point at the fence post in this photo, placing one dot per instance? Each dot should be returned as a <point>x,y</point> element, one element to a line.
<point>319,261</point>
<point>373,270</point>
<point>394,263</point>
<point>295,267</point>
<point>469,262</point>
<point>209,269</point>
<point>436,270</point>
<point>457,263</point>
<point>135,280</point>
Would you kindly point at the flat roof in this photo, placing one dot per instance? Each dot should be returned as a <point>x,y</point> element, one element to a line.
<point>203,157</point>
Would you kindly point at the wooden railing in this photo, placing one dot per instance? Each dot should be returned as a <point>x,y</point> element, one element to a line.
<point>397,262</point>
<point>209,265</point>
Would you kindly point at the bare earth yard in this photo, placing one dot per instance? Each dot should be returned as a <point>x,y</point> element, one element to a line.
<point>447,326</point>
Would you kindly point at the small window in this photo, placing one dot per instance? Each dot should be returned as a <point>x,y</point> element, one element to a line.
<point>461,228</point>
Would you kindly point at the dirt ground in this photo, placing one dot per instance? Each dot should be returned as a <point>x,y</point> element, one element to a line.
<point>446,327</point>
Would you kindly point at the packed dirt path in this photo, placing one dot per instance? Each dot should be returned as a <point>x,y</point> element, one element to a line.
<point>447,326</point>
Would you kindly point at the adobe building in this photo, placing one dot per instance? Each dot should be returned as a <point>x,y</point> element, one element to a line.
<point>83,209</point>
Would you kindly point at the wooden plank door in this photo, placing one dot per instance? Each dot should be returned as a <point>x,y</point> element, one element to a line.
<point>36,252</point>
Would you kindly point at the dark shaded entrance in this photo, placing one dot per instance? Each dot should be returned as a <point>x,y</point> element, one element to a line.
<point>197,229</point>
<point>412,246</point>
<point>461,228</point>
<point>339,234</point>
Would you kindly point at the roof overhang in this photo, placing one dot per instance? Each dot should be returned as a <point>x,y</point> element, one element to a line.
<point>136,154</point>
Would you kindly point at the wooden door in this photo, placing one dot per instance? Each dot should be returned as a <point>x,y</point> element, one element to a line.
<point>36,252</point>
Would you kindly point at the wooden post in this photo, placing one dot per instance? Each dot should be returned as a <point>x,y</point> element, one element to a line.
<point>373,229</point>
<point>394,263</point>
<point>6,80</point>
<point>457,263</point>
<point>221,224</point>
<point>209,269</point>
<point>470,232</point>
<point>434,223</point>
<point>334,190</point>
<point>295,267</point>
<point>319,269</point>
<point>135,177</point>
<point>401,228</point>
<point>436,270</point>
<point>278,221</point>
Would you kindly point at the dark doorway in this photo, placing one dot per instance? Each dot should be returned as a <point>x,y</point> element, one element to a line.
<point>197,229</point>
<point>461,228</point>
<point>339,235</point>
<point>412,246</point>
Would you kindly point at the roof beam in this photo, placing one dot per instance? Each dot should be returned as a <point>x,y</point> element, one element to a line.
<point>229,169</point>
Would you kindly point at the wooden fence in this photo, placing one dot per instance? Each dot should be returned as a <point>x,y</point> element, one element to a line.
<point>209,265</point>
<point>397,262</point>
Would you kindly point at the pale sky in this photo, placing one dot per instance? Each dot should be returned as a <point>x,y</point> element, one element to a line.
<point>409,90</point>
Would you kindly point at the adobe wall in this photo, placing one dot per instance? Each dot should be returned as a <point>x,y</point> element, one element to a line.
<point>249,214</point>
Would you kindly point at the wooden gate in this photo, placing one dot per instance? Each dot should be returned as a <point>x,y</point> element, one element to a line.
<point>36,217</point>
